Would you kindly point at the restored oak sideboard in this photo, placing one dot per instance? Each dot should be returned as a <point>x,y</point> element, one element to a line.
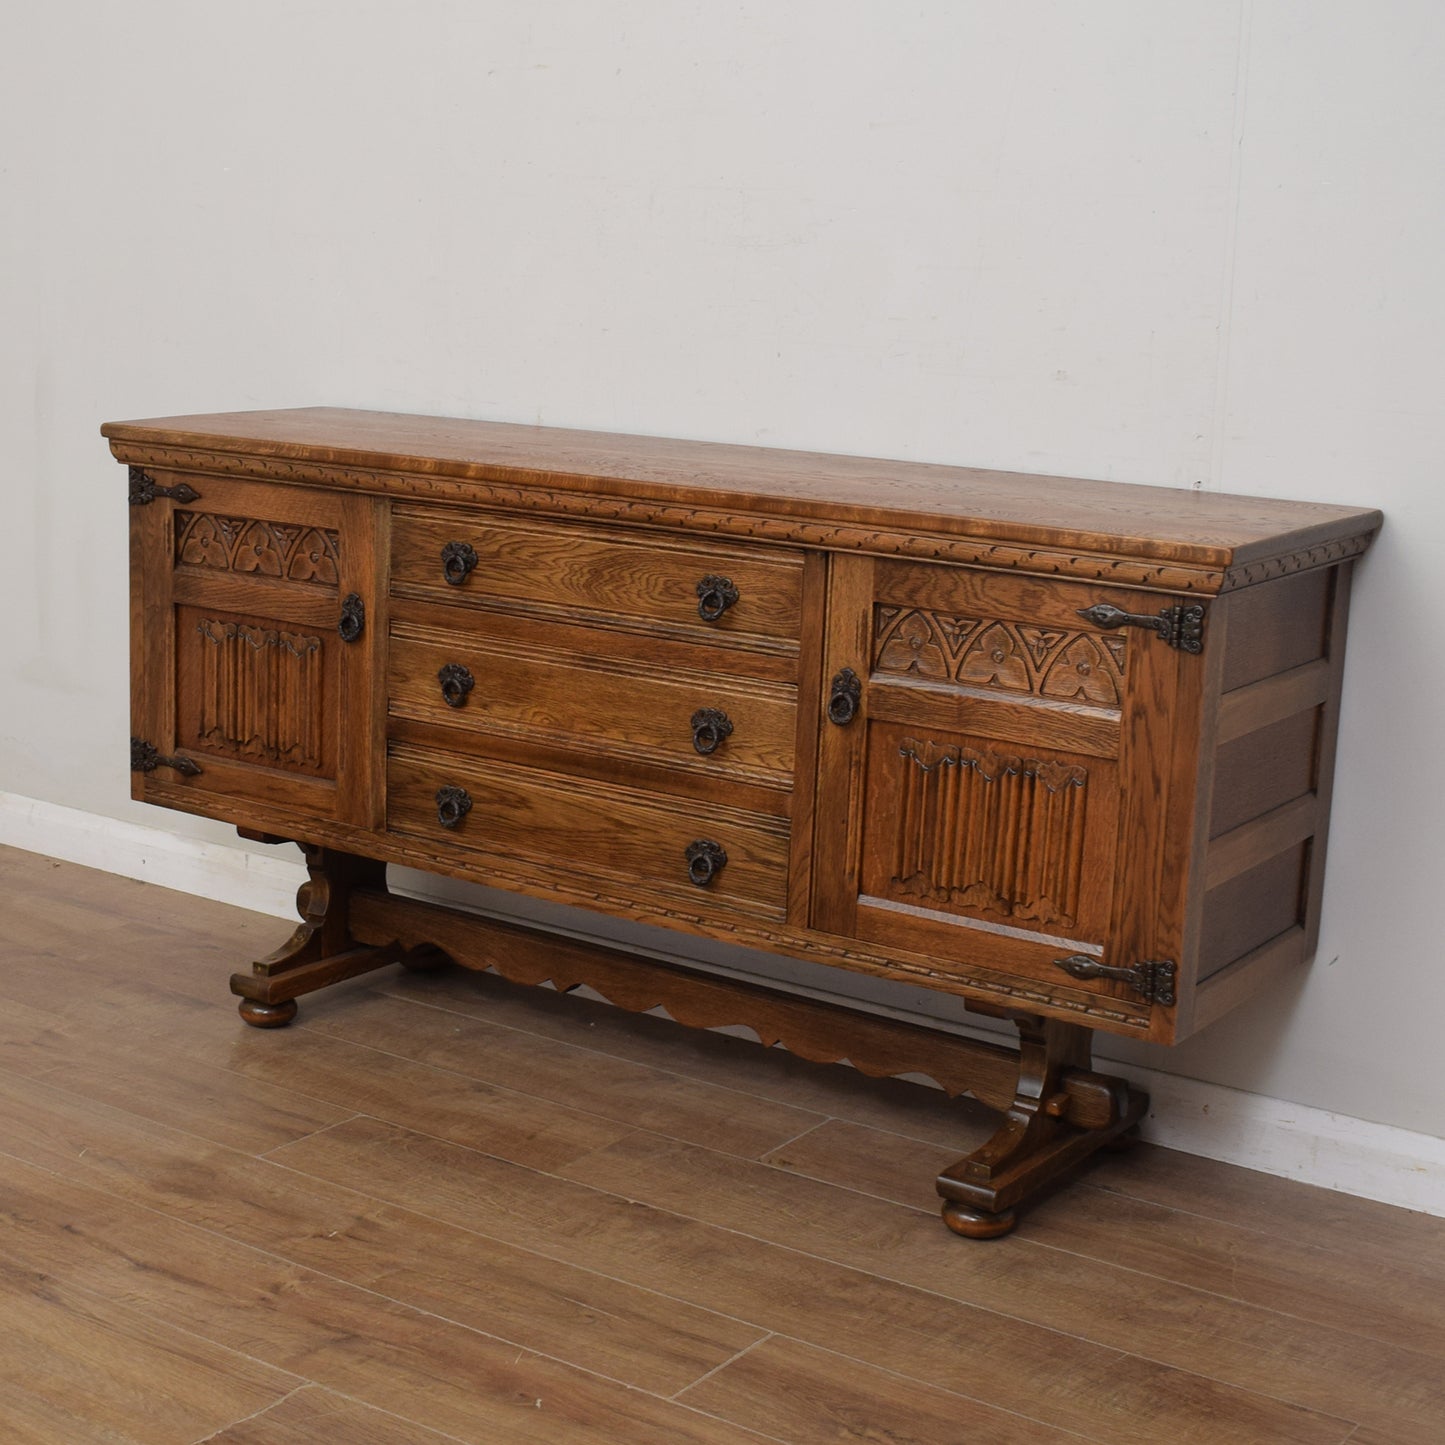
<point>1061,748</point>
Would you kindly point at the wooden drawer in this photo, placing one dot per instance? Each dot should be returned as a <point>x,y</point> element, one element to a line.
<point>577,834</point>
<point>588,574</point>
<point>712,726</point>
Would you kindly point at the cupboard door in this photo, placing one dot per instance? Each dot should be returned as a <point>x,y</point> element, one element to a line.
<point>254,628</point>
<point>979,806</point>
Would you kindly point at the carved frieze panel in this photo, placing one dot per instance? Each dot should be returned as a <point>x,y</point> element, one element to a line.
<point>1052,662</point>
<point>990,831</point>
<point>260,693</point>
<point>247,545</point>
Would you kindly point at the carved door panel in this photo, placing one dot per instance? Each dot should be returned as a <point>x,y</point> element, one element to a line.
<point>254,624</point>
<point>993,788</point>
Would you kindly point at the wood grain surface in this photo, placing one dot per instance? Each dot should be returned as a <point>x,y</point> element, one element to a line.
<point>589,572</point>
<point>445,1208</point>
<point>597,704</point>
<point>1200,528</point>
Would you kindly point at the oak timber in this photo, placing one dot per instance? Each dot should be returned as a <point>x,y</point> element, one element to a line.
<point>926,723</point>
<point>433,456</point>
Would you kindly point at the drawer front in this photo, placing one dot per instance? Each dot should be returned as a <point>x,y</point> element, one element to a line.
<point>586,574</point>
<point>579,834</point>
<point>723,727</point>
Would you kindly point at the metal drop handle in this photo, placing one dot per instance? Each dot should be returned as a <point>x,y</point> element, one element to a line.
<point>705,860</point>
<point>453,804</point>
<point>352,622</point>
<point>458,559</point>
<point>843,697</point>
<point>714,596</point>
<point>456,682</point>
<point>711,727</point>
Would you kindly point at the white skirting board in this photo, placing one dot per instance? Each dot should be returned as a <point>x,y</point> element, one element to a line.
<point>1334,1151</point>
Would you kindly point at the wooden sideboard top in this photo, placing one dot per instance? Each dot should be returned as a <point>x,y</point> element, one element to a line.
<point>1208,541</point>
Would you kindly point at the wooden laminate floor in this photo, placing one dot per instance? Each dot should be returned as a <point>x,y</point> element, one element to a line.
<point>441,1208</point>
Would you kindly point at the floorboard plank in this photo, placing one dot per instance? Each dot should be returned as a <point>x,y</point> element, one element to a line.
<point>1275,1206</point>
<point>535,1302</point>
<point>442,1198</point>
<point>1008,1363</point>
<point>329,1075</point>
<point>512,1125</point>
<point>871,1161</point>
<point>312,1414</point>
<point>408,1362</point>
<point>168,1087</point>
<point>1330,1286</point>
<point>632,1094</point>
<point>1318,1367</point>
<point>810,1396</point>
<point>1398,1433</point>
<point>76,1367</point>
<point>713,1057</point>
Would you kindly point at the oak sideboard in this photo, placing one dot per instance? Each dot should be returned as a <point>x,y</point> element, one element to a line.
<point>1060,748</point>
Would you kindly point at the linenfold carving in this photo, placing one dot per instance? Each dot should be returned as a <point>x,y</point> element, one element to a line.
<point>990,831</point>
<point>260,693</point>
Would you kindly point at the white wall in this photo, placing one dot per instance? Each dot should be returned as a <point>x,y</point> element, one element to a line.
<point>1176,241</point>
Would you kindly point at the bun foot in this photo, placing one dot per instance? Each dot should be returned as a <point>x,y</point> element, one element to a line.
<point>978,1223</point>
<point>322,950</point>
<point>267,1015</point>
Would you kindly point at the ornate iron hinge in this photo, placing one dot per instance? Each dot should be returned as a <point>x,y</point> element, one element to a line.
<point>1152,980</point>
<point>1181,625</point>
<point>144,758</point>
<point>143,489</point>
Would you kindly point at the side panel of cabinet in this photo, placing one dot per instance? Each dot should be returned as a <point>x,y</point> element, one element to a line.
<point>1017,785</point>
<point>1265,798</point>
<point>243,684</point>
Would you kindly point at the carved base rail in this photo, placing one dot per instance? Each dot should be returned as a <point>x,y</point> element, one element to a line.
<point>1056,1109</point>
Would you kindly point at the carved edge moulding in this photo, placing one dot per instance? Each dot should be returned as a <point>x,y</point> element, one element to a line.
<point>515,498</point>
